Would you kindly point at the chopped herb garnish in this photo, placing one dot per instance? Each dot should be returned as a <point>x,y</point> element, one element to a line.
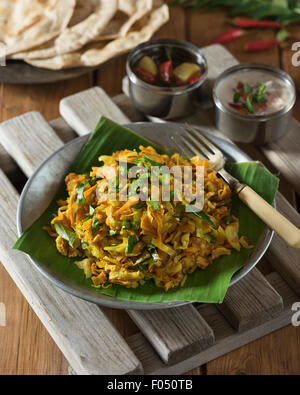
<point>155,205</point>
<point>144,263</point>
<point>65,233</point>
<point>135,225</point>
<point>131,242</point>
<point>84,245</point>
<point>112,232</point>
<point>248,105</point>
<point>80,190</point>
<point>247,89</point>
<point>125,225</point>
<point>95,225</point>
<point>202,215</point>
<point>86,219</point>
<point>153,251</point>
<point>247,98</point>
<point>151,161</point>
<point>236,97</point>
<point>92,210</point>
<point>140,205</point>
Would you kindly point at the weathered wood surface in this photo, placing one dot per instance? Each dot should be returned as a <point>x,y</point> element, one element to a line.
<point>176,334</point>
<point>251,302</point>
<point>25,335</point>
<point>78,328</point>
<point>284,259</point>
<point>226,338</point>
<point>21,133</point>
<point>86,109</point>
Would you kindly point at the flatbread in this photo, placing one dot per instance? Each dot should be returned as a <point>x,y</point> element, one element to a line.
<point>98,53</point>
<point>83,9</point>
<point>74,38</point>
<point>127,6</point>
<point>120,26</point>
<point>25,24</point>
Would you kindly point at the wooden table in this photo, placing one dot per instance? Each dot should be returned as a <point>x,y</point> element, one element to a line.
<point>25,345</point>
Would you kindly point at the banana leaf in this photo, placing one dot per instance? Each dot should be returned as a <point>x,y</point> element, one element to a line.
<point>209,285</point>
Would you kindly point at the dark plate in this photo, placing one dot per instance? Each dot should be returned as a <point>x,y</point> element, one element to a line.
<point>19,72</point>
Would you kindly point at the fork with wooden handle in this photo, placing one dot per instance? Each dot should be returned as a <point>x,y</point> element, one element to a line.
<point>192,142</point>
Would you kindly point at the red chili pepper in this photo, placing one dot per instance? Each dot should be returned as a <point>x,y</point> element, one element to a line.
<point>194,78</point>
<point>227,36</point>
<point>238,107</point>
<point>144,75</point>
<point>255,46</point>
<point>247,22</point>
<point>180,83</point>
<point>166,71</point>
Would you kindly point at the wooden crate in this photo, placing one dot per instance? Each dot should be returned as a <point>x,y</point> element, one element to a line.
<point>170,341</point>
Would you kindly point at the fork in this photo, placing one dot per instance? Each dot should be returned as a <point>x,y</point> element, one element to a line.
<point>192,143</point>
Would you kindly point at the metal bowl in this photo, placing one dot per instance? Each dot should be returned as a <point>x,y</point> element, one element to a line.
<point>165,102</point>
<point>44,183</point>
<point>256,129</point>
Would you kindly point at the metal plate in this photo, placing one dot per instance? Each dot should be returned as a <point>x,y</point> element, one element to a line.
<point>19,72</point>
<point>44,183</point>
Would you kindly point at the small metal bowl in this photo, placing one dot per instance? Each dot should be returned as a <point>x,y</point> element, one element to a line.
<point>165,102</point>
<point>256,129</point>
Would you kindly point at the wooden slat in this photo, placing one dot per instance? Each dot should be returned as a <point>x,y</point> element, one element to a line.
<point>226,338</point>
<point>284,259</point>
<point>284,155</point>
<point>176,334</point>
<point>83,110</point>
<point>251,302</point>
<point>20,132</point>
<point>79,328</point>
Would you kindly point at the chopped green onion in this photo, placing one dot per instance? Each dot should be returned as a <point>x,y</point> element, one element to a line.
<point>125,225</point>
<point>86,219</point>
<point>155,205</point>
<point>202,215</point>
<point>248,105</point>
<point>112,232</point>
<point>95,225</point>
<point>140,205</point>
<point>247,89</point>
<point>80,190</point>
<point>84,245</point>
<point>135,225</point>
<point>131,242</point>
<point>236,97</point>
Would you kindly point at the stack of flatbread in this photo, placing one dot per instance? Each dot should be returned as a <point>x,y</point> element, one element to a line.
<point>59,34</point>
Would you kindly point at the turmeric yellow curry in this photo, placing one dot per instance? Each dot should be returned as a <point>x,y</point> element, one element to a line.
<point>133,241</point>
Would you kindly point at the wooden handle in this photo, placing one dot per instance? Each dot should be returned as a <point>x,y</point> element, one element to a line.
<point>271,217</point>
